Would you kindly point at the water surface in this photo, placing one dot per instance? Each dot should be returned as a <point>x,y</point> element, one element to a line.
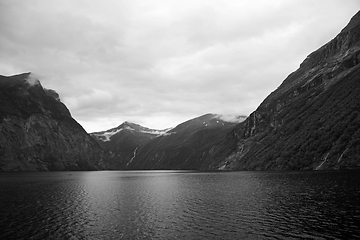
<point>180,205</point>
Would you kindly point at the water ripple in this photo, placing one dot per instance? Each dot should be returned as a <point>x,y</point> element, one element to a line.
<point>179,205</point>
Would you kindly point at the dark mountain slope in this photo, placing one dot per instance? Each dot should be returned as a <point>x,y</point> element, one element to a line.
<point>203,122</point>
<point>121,143</point>
<point>186,146</point>
<point>37,131</point>
<point>311,121</point>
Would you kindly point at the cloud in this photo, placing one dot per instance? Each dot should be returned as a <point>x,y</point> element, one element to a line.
<point>32,79</point>
<point>231,118</point>
<point>161,62</point>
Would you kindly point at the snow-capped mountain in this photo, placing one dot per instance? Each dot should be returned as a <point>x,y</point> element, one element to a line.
<point>120,143</point>
<point>185,146</point>
<point>127,126</point>
<point>130,145</point>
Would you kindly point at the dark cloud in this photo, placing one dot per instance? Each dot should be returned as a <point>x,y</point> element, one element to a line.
<point>159,63</point>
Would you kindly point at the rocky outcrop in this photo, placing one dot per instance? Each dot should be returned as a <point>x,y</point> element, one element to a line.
<point>311,121</point>
<point>37,131</point>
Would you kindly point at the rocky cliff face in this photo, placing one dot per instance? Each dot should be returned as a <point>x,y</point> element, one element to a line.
<point>37,131</point>
<point>311,121</point>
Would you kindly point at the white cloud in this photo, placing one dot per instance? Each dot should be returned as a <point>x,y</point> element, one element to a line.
<point>161,62</point>
<point>231,118</point>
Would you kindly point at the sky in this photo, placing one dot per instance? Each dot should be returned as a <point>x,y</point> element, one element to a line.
<point>161,62</point>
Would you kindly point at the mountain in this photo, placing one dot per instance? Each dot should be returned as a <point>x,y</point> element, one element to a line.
<point>311,121</point>
<point>121,143</point>
<point>184,147</point>
<point>37,131</point>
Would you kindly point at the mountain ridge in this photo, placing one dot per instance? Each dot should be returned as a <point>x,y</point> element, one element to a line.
<point>310,122</point>
<point>123,144</point>
<point>107,134</point>
<point>302,124</point>
<point>38,131</point>
<point>119,143</point>
<point>185,147</point>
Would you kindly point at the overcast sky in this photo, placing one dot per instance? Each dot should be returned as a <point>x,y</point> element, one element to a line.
<point>161,62</point>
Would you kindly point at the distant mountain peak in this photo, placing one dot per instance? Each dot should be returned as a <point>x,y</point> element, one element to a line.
<point>129,123</point>
<point>105,136</point>
<point>208,120</point>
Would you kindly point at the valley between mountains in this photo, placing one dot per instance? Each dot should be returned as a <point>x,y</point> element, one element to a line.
<point>186,146</point>
<point>310,122</point>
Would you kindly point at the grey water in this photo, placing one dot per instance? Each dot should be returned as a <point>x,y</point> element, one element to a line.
<point>180,205</point>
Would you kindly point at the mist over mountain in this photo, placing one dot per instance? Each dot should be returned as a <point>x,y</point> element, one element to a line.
<point>37,131</point>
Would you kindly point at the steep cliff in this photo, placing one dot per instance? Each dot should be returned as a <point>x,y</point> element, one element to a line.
<point>37,131</point>
<point>311,121</point>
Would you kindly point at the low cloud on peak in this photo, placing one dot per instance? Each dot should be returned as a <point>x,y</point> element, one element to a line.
<point>231,118</point>
<point>32,79</point>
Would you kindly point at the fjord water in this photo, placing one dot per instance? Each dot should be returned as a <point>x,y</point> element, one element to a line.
<point>179,205</point>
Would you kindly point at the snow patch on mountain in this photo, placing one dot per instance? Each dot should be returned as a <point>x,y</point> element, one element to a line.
<point>155,132</point>
<point>106,135</point>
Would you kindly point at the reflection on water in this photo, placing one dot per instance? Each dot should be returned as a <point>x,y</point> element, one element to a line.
<point>179,205</point>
